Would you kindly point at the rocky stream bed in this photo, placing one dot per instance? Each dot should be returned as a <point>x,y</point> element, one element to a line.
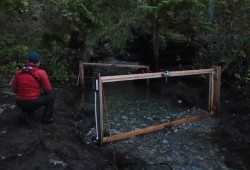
<point>206,144</point>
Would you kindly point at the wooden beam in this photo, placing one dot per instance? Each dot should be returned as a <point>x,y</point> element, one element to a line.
<point>211,92</point>
<point>130,77</point>
<point>154,75</point>
<point>115,65</point>
<point>190,72</point>
<point>154,128</point>
<point>216,96</point>
<point>100,115</point>
<point>81,75</point>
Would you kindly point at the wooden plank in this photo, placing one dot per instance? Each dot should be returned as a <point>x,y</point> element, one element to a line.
<point>154,75</point>
<point>154,128</point>
<point>148,82</point>
<point>211,93</point>
<point>100,115</point>
<point>130,77</point>
<point>115,65</point>
<point>216,96</point>
<point>81,69</point>
<point>190,72</point>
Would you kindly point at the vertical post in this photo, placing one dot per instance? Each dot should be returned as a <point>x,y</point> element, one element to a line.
<point>148,82</point>
<point>211,92</point>
<point>81,70</point>
<point>96,116</point>
<point>100,115</point>
<point>217,82</point>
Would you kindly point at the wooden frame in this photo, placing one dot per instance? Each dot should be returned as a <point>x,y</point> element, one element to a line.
<point>213,101</point>
<point>82,64</point>
<point>99,118</point>
<point>115,65</point>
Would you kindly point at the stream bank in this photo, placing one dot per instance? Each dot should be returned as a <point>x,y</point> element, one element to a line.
<point>220,142</point>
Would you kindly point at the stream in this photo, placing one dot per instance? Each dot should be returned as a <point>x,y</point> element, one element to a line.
<point>197,145</point>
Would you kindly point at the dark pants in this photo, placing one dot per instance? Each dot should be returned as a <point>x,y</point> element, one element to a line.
<point>29,106</point>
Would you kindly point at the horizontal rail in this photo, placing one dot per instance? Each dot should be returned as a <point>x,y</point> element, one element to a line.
<point>154,128</point>
<point>155,75</point>
<point>115,65</point>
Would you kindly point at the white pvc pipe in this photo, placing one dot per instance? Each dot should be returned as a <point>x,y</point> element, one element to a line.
<point>78,77</point>
<point>96,123</point>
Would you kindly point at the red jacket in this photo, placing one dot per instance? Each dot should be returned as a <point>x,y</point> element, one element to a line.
<point>27,86</point>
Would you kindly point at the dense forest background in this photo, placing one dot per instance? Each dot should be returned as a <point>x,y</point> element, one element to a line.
<point>162,33</point>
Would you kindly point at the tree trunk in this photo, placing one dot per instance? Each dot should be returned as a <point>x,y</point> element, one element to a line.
<point>156,41</point>
<point>35,14</point>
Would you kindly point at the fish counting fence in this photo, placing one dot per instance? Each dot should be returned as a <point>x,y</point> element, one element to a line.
<point>213,98</point>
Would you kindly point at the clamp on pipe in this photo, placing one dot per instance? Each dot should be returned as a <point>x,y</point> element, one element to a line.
<point>166,74</point>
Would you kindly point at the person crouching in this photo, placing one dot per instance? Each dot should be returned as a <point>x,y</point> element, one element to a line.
<point>27,85</point>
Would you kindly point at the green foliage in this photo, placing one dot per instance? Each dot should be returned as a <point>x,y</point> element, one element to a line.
<point>169,20</point>
<point>228,37</point>
<point>13,55</point>
<point>12,13</point>
<point>105,27</point>
<point>177,20</point>
<point>60,63</point>
<point>12,8</point>
<point>9,69</point>
<point>102,24</point>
